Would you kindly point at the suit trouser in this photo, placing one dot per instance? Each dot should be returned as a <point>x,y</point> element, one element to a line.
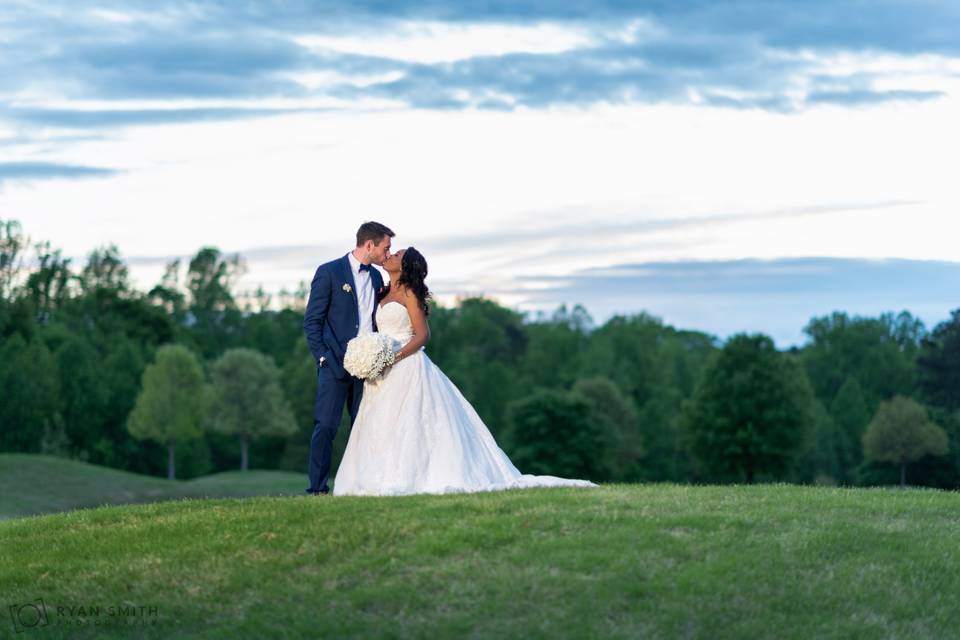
<point>332,393</point>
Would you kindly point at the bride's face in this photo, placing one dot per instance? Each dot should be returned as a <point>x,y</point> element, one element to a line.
<point>394,262</point>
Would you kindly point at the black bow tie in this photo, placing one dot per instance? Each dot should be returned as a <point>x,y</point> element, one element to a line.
<point>364,267</point>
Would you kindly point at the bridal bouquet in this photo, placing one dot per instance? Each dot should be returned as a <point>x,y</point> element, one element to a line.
<point>368,355</point>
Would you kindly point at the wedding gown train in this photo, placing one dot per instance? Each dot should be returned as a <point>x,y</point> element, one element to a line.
<point>416,433</point>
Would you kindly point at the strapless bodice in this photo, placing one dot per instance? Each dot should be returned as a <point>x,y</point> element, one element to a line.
<point>394,321</point>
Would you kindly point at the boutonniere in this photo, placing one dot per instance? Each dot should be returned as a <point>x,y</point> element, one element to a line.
<point>381,290</point>
<point>347,288</point>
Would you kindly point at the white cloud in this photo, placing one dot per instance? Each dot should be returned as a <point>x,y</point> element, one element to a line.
<point>108,15</point>
<point>848,63</point>
<point>325,80</point>
<point>435,42</point>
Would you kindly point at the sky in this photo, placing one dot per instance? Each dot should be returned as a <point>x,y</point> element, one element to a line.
<point>725,166</point>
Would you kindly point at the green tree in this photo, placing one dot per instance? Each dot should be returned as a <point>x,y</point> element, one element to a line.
<point>553,357</point>
<point>29,409</point>
<point>558,433</point>
<point>172,402</point>
<point>17,316</point>
<point>612,409</point>
<point>83,394</point>
<point>300,388</point>
<point>902,433</point>
<point>273,333</point>
<point>819,464</point>
<point>248,400</point>
<point>657,366</point>
<point>105,316</point>
<point>850,416</point>
<point>49,285</point>
<point>105,270</point>
<point>215,319</point>
<point>939,364</point>
<point>878,352</point>
<point>752,412</point>
<point>123,369</point>
<point>625,349</point>
<point>210,280</point>
<point>12,245</point>
<point>169,294</point>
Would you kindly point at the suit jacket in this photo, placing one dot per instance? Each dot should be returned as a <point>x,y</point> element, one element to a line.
<point>332,318</point>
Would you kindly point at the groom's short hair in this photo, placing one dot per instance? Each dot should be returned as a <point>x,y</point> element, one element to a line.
<point>372,231</point>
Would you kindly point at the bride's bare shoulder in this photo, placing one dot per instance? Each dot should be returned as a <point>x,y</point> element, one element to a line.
<point>405,294</point>
<point>411,302</point>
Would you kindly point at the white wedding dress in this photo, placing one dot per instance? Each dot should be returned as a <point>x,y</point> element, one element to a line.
<point>416,433</point>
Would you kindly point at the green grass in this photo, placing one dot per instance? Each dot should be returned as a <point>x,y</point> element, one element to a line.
<point>34,484</point>
<point>621,561</point>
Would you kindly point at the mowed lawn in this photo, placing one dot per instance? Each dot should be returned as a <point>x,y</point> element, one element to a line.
<point>33,484</point>
<point>621,561</point>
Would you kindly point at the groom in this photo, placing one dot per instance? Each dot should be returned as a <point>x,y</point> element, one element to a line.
<point>343,299</point>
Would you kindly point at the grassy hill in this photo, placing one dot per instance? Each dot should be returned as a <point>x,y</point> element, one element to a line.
<point>33,484</point>
<point>621,561</point>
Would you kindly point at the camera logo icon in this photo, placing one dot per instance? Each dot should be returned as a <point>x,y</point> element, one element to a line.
<point>29,615</point>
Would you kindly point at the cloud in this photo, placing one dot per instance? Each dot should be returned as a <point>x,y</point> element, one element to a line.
<point>21,171</point>
<point>108,118</point>
<point>629,223</point>
<point>869,97</point>
<point>34,139</point>
<point>891,25</point>
<point>199,66</point>
<point>527,244</point>
<point>438,42</point>
<point>302,258</point>
<point>148,64</point>
<point>734,54</point>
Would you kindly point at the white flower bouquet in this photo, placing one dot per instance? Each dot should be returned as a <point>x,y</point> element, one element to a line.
<point>368,355</point>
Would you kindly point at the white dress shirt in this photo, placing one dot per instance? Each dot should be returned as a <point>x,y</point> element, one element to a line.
<point>365,295</point>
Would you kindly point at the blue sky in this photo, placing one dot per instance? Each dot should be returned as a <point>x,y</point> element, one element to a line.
<point>725,165</point>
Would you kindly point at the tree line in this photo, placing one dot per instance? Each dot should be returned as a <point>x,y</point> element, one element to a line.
<point>193,377</point>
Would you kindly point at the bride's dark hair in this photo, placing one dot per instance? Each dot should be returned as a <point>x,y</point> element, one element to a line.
<point>413,271</point>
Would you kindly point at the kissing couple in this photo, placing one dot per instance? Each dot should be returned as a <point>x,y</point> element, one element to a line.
<point>412,431</point>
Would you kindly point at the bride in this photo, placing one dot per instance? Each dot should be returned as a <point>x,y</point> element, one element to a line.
<point>414,431</point>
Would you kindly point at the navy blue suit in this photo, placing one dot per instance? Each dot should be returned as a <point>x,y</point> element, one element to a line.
<point>330,322</point>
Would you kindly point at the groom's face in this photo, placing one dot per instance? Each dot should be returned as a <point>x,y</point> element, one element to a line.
<point>380,252</point>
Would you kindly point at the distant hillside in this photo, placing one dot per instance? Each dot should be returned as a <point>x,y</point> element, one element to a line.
<point>33,484</point>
